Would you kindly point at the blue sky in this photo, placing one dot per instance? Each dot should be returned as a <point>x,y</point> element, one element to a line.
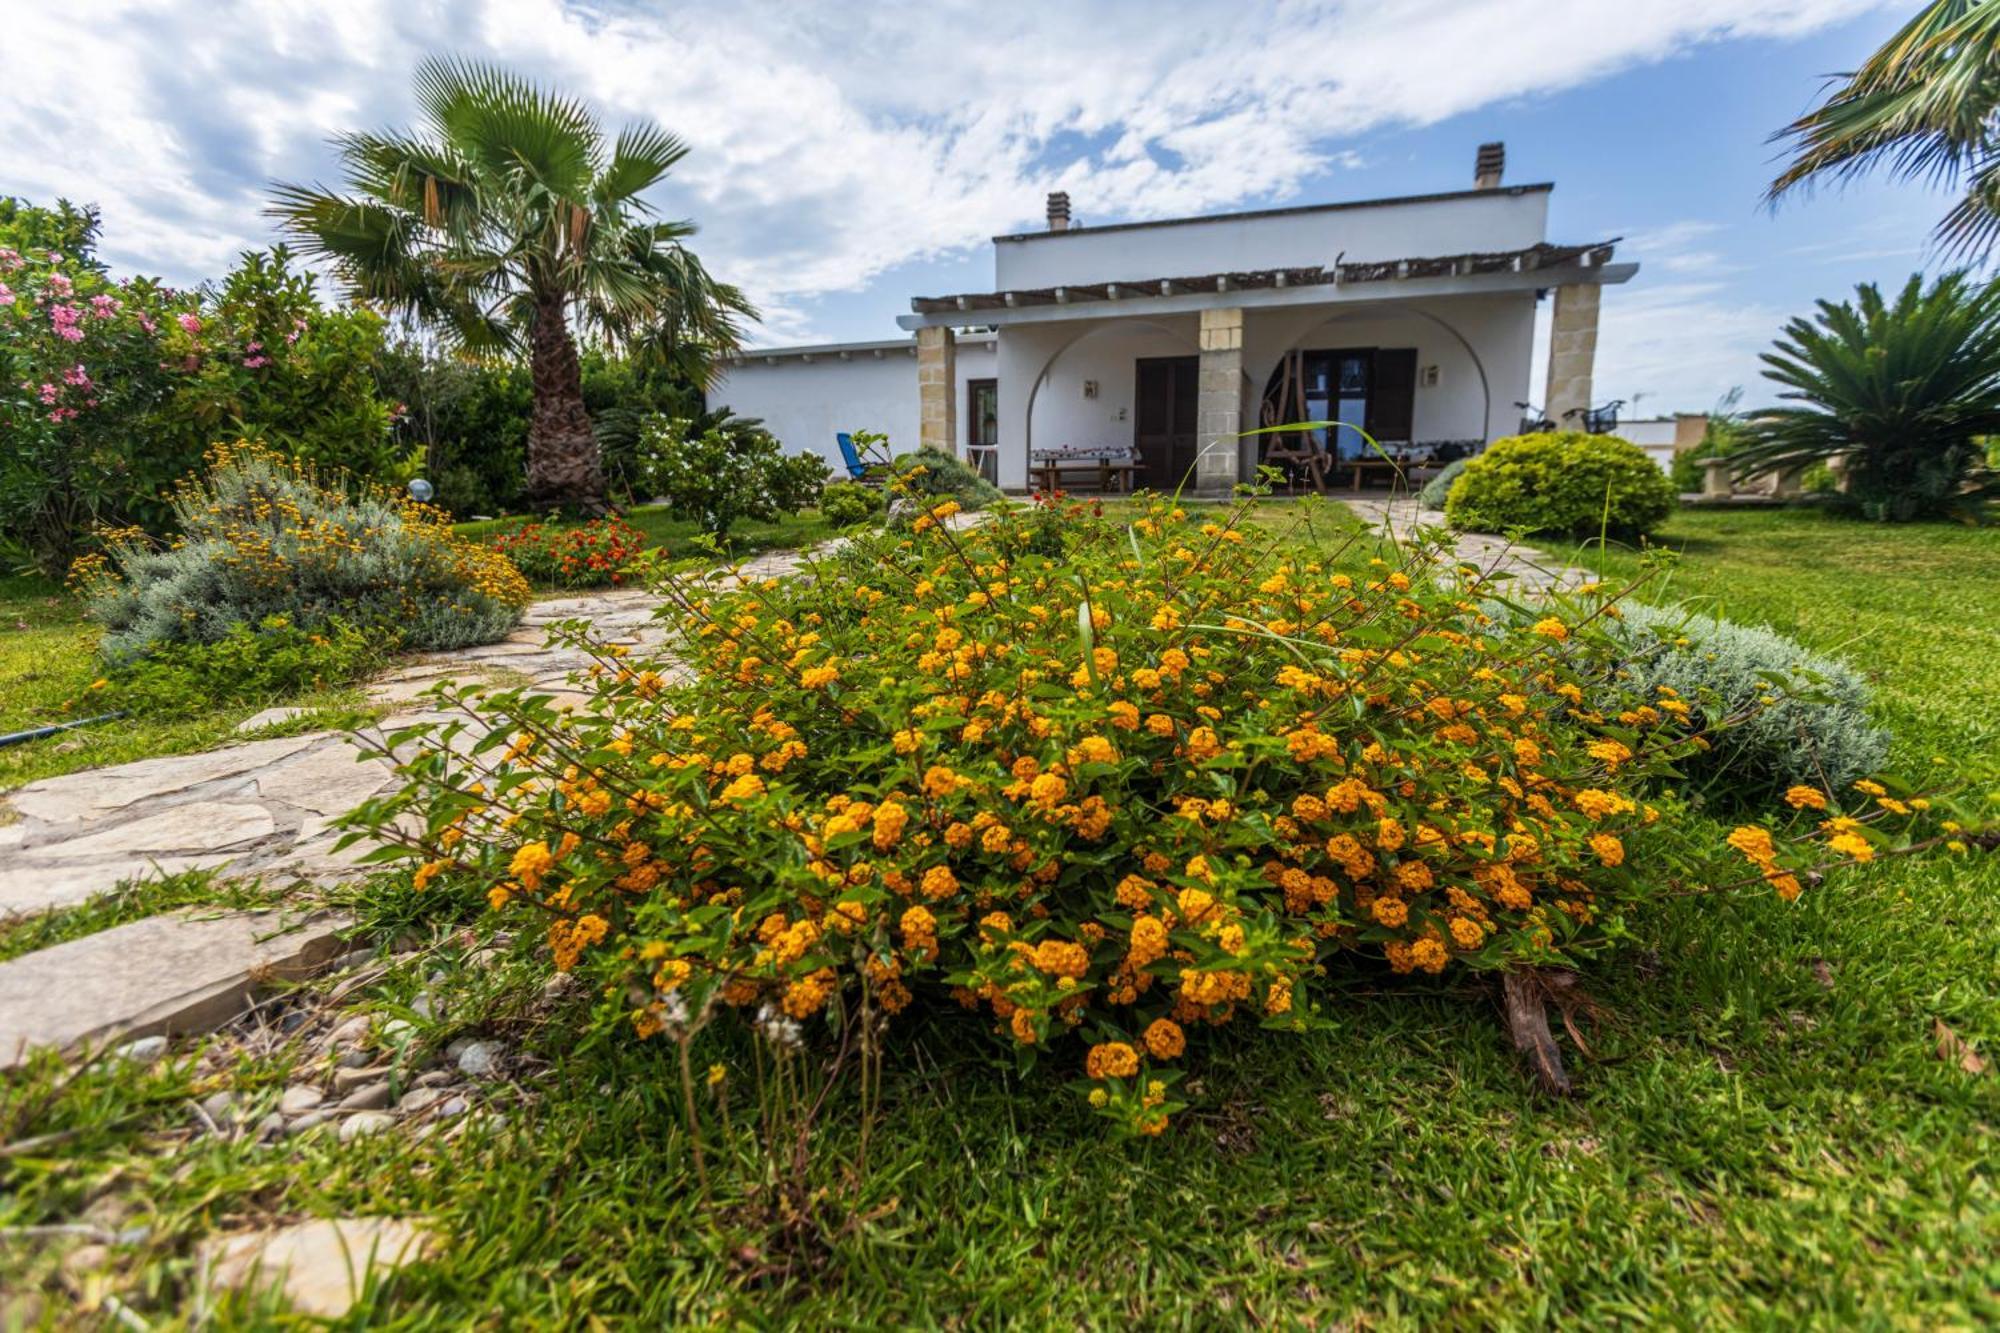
<point>848,157</point>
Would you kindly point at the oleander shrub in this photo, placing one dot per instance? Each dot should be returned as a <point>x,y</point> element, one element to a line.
<point>1564,483</point>
<point>1432,496</point>
<point>602,552</point>
<point>262,535</point>
<point>1169,777</point>
<point>111,390</point>
<point>846,503</point>
<point>1802,717</point>
<point>932,473</point>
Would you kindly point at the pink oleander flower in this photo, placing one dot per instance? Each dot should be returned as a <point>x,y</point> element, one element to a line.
<point>50,393</point>
<point>253,362</point>
<point>10,260</point>
<point>146,323</point>
<point>191,323</point>
<point>67,321</point>
<point>77,377</point>
<point>103,306</point>
<point>6,294</point>
<point>60,285</point>
<point>62,414</point>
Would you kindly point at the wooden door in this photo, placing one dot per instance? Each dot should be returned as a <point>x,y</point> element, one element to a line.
<point>1392,394</point>
<point>1163,420</point>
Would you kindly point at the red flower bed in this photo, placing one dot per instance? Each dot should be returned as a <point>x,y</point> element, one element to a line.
<point>589,555</point>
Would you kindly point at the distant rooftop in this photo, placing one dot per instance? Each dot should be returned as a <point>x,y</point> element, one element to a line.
<point>1441,197</point>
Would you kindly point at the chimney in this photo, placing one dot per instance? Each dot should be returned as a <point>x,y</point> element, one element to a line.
<point>1488,166</point>
<point>1058,210</point>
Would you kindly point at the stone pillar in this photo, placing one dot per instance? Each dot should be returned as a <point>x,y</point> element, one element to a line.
<point>1572,354</point>
<point>1715,481</point>
<point>1219,402</point>
<point>937,390</point>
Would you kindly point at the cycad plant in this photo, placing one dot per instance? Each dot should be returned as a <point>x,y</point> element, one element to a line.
<point>508,223</point>
<point>1926,106</point>
<point>1897,394</point>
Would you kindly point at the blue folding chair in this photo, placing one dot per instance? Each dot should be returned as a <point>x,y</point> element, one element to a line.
<point>866,473</point>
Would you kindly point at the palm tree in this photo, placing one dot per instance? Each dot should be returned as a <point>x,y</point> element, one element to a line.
<point>505,222</point>
<point>1926,106</point>
<point>1901,395</point>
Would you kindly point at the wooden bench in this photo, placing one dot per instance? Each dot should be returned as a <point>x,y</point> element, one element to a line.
<point>1113,476</point>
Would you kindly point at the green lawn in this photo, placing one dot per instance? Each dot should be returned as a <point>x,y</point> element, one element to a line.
<point>48,665</point>
<point>680,536</point>
<point>1764,1134</point>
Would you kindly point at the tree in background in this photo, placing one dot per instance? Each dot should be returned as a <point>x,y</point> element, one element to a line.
<point>1899,395</point>
<point>1925,107</point>
<point>508,223</point>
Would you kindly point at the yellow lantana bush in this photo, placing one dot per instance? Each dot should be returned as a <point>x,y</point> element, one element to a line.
<point>1104,784</point>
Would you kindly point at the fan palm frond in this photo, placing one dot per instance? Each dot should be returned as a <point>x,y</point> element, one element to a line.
<point>1923,107</point>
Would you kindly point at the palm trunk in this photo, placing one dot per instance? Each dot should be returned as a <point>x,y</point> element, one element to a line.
<point>564,466</point>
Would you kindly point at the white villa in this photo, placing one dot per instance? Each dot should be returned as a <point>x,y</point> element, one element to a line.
<point>1151,345</point>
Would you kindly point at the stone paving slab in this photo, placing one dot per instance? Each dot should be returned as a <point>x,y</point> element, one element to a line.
<point>265,807</point>
<point>172,974</point>
<point>1533,571</point>
<point>319,1267</point>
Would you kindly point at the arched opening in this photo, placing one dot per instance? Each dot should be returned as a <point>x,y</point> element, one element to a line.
<point>1169,343</point>
<point>1373,388</point>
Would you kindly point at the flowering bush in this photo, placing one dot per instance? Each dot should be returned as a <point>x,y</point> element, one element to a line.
<point>586,555</point>
<point>1104,792</point>
<point>110,391</point>
<point>263,535</point>
<point>727,473</point>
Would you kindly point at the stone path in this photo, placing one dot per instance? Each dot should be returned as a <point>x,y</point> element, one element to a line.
<point>1533,571</point>
<point>267,807</point>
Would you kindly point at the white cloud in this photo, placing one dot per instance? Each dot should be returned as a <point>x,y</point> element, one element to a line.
<point>831,142</point>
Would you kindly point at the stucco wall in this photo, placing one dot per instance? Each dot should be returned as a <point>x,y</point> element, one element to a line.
<point>1490,220</point>
<point>806,403</point>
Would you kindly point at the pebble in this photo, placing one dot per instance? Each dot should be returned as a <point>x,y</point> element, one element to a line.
<point>456,1046</point>
<point>432,1078</point>
<point>310,1120</point>
<point>364,1124</point>
<point>420,1099</point>
<point>396,1029</point>
<point>300,1098</point>
<point>84,1259</point>
<point>347,962</point>
<point>346,1080</point>
<point>479,1059</point>
<point>351,1032</point>
<point>221,1108</point>
<point>371,1098</point>
<point>355,1058</point>
<point>482,958</point>
<point>557,986</point>
<point>271,1126</point>
<point>145,1050</point>
<point>453,1106</point>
